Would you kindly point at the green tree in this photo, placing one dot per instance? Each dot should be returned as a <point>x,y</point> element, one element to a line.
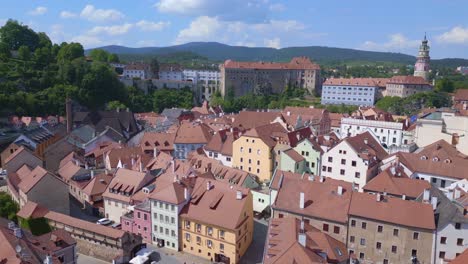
<point>99,55</point>
<point>69,52</point>
<point>445,85</point>
<point>113,105</point>
<point>24,53</point>
<point>113,58</point>
<point>8,208</point>
<point>15,35</point>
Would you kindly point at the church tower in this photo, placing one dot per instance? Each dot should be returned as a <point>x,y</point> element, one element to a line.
<point>421,68</point>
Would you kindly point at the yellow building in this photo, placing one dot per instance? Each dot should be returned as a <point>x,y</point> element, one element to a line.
<point>253,151</point>
<point>217,224</point>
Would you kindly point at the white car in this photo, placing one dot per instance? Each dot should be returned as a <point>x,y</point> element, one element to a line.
<point>104,221</point>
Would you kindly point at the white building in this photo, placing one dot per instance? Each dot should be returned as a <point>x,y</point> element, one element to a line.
<point>171,72</point>
<point>388,133</point>
<point>166,205</point>
<point>204,76</point>
<point>355,159</point>
<point>357,91</point>
<point>442,125</point>
<point>137,70</point>
<point>220,146</point>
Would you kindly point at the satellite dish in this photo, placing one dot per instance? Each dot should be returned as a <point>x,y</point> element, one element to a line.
<point>18,249</point>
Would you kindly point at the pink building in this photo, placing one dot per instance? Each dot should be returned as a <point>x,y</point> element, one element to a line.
<point>138,221</point>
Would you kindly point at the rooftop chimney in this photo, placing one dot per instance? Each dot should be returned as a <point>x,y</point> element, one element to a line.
<point>186,194</point>
<point>322,179</point>
<point>238,195</point>
<point>366,141</point>
<point>155,152</point>
<point>301,200</point>
<point>301,238</point>
<point>379,197</point>
<point>311,177</point>
<point>426,195</point>
<point>392,170</point>
<point>141,166</point>
<point>208,185</point>
<point>68,110</point>
<point>457,194</point>
<point>288,113</point>
<point>340,190</point>
<point>403,197</point>
<point>434,202</point>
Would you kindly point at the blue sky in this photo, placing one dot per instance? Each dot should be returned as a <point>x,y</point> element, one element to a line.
<point>396,25</point>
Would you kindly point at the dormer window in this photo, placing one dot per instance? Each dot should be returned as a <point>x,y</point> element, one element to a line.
<point>423,158</point>
<point>447,161</point>
<point>435,159</point>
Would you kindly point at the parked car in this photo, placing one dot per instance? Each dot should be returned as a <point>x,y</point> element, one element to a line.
<point>104,221</point>
<point>116,226</point>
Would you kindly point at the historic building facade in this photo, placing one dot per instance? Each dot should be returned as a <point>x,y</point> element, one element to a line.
<point>422,67</point>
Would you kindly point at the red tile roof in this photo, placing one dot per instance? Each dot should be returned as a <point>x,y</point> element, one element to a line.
<point>222,141</point>
<point>296,63</point>
<point>32,210</point>
<point>17,152</point>
<point>461,95</point>
<point>32,179</point>
<point>252,119</point>
<point>193,133</point>
<point>267,133</point>
<point>461,259</point>
<point>97,185</point>
<point>162,141</point>
<point>294,155</point>
<point>408,80</point>
<point>370,82</point>
<point>321,198</point>
<point>398,184</point>
<point>217,206</point>
<point>367,150</point>
<point>392,210</point>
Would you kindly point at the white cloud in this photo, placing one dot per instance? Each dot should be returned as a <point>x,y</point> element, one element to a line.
<point>100,15</point>
<point>67,14</point>
<point>273,43</point>
<point>2,21</point>
<point>38,11</point>
<point>272,33</point>
<point>277,7</point>
<point>144,25</point>
<point>57,33</point>
<point>457,35</point>
<point>397,43</point>
<point>232,10</point>
<point>111,30</point>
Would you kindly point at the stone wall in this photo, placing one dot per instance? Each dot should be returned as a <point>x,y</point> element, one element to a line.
<point>95,250</point>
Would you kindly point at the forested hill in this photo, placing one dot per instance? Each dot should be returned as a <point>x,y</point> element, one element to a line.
<point>325,55</point>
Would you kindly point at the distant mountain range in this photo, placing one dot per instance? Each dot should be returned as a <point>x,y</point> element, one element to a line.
<point>219,52</point>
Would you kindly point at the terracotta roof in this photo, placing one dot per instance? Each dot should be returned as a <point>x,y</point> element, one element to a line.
<point>396,184</point>
<point>32,179</point>
<point>438,158</point>
<point>219,123</point>
<point>221,142</point>
<point>69,170</point>
<point>321,198</point>
<point>85,225</point>
<point>218,171</point>
<point>461,95</point>
<point>306,114</point>
<point>367,150</point>
<point>32,210</point>
<point>407,80</point>
<point>137,66</point>
<point>336,119</point>
<point>296,63</point>
<point>461,259</point>
<point>370,82</point>
<point>266,133</point>
<point>217,206</point>
<point>170,67</point>
<point>125,181</point>
<point>294,155</point>
<point>98,184</point>
<point>125,155</point>
<point>282,245</point>
<point>102,148</point>
<point>71,157</point>
<point>17,152</point>
<point>172,193</point>
<point>162,141</point>
<point>252,119</point>
<point>159,162</point>
<point>193,133</point>
<point>392,210</point>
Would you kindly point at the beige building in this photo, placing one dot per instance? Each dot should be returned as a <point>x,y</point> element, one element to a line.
<point>404,86</point>
<point>386,230</point>
<point>217,223</point>
<point>269,77</point>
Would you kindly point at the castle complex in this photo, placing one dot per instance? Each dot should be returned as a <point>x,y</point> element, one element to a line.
<point>269,77</point>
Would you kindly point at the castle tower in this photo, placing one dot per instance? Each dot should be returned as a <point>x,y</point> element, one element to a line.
<point>421,68</point>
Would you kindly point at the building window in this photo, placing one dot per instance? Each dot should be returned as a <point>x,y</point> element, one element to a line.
<point>363,242</point>
<point>342,172</point>
<point>378,245</point>
<point>198,240</point>
<point>457,226</point>
<point>351,239</point>
<point>198,228</point>
<point>395,232</point>
<point>336,229</point>
<point>209,243</point>
<point>353,163</point>
<point>394,249</point>
<point>343,162</point>
<point>330,159</point>
<point>459,241</point>
<point>364,225</point>
<point>221,234</point>
<point>221,247</point>
<point>250,161</point>
<point>258,162</point>
<point>250,150</point>
<point>145,217</point>
<point>353,223</point>
<point>173,233</point>
<point>414,253</point>
<point>187,224</point>
<point>385,261</point>
<point>361,255</point>
<point>442,254</point>
<point>329,169</point>
<point>172,220</point>
<point>379,229</point>
<point>416,236</point>
<point>443,240</point>
<point>325,227</point>
<point>209,231</point>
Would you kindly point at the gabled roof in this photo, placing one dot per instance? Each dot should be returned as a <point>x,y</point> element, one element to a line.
<point>396,184</point>
<point>252,119</point>
<point>172,193</point>
<point>17,152</point>
<point>193,133</point>
<point>32,179</point>
<point>367,150</point>
<point>124,184</point>
<point>461,259</point>
<point>321,198</point>
<point>369,82</point>
<point>161,141</point>
<point>98,184</point>
<point>294,155</point>
<point>392,210</point>
<point>407,80</point>
<point>266,133</point>
<point>217,206</point>
<point>221,142</point>
<point>32,210</point>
